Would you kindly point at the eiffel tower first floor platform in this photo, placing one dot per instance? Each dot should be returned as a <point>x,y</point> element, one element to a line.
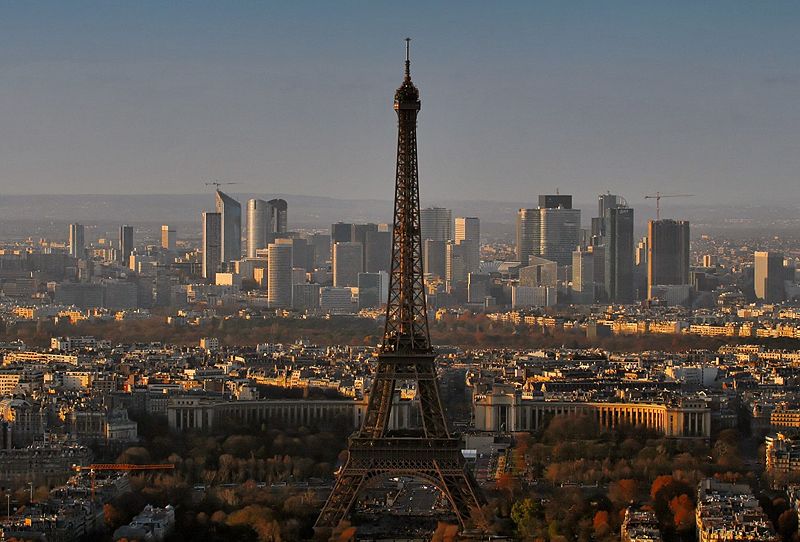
<point>436,460</point>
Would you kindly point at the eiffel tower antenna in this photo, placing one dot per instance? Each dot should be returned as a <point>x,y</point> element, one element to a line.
<point>405,354</point>
<point>408,58</point>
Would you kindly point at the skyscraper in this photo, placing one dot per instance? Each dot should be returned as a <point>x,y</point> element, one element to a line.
<point>371,286</point>
<point>769,277</point>
<point>278,219</point>
<point>583,285</point>
<point>321,243</point>
<point>302,252</point>
<point>212,244</point>
<point>619,254</point>
<point>478,287</point>
<point>168,235</point>
<point>231,219</point>
<point>560,234</point>
<point>599,272</point>
<point>641,252</point>
<point>528,234</point>
<point>125,244</point>
<point>305,296</point>
<point>279,274</point>
<point>342,232</point>
<point>436,223</point>
<point>77,241</point>
<point>539,272</point>
<point>468,233</point>
<point>549,232</point>
<point>378,251</point>
<point>467,228</point>
<point>434,256</point>
<point>604,203</point>
<point>456,262</point>
<point>258,223</point>
<point>668,253</point>
<point>346,264</point>
<point>554,201</point>
<point>360,232</point>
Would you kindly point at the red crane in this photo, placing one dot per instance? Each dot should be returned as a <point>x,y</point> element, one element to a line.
<point>119,467</point>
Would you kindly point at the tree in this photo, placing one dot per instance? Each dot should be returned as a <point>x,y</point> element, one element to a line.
<point>683,512</point>
<point>623,492</point>
<point>112,517</point>
<point>600,523</point>
<point>726,452</point>
<point>506,482</point>
<point>344,532</point>
<point>659,483</point>
<point>136,455</point>
<point>528,517</point>
<point>787,524</point>
<point>672,503</point>
<point>445,532</point>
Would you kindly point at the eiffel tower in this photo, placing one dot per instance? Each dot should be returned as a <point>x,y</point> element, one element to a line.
<point>430,452</point>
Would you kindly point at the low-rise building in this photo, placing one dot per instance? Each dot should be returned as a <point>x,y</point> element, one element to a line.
<point>730,513</point>
<point>508,410</point>
<point>640,526</point>
<point>152,524</point>
<point>782,458</point>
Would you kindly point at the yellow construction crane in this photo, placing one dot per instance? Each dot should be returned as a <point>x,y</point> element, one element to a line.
<point>658,195</point>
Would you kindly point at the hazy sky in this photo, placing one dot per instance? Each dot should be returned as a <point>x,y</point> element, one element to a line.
<point>294,97</point>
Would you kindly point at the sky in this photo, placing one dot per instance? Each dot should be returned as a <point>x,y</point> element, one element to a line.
<point>518,98</point>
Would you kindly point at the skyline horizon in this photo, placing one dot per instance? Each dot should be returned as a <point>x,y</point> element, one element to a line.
<point>583,202</point>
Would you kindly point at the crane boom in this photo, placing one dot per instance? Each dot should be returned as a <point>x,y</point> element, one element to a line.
<point>123,467</point>
<point>217,184</point>
<point>658,195</point>
<point>119,467</point>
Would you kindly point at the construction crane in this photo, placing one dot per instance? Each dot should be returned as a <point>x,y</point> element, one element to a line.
<point>118,467</point>
<point>217,184</point>
<point>659,195</point>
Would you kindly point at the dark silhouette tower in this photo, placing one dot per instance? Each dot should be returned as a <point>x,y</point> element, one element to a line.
<point>430,451</point>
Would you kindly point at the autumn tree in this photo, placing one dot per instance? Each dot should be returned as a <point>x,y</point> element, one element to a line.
<point>528,515</point>
<point>113,518</point>
<point>600,524</point>
<point>682,509</point>
<point>623,492</point>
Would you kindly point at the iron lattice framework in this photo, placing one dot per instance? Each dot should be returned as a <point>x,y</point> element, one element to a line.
<point>431,452</point>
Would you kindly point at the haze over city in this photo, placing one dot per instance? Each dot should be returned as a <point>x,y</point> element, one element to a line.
<point>278,273</point>
<point>290,98</point>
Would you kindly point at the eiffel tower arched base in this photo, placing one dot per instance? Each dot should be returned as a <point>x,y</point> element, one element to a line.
<point>438,461</point>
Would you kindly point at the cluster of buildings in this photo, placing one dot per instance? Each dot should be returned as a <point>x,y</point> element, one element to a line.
<point>249,257</point>
<point>730,512</point>
<point>152,524</point>
<point>749,321</point>
<point>72,511</point>
<point>85,390</point>
<point>640,526</point>
<point>59,403</point>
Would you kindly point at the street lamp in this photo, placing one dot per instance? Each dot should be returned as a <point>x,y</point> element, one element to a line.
<point>31,484</point>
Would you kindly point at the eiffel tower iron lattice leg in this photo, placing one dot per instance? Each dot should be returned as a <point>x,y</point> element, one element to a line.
<point>439,462</point>
<point>430,453</point>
